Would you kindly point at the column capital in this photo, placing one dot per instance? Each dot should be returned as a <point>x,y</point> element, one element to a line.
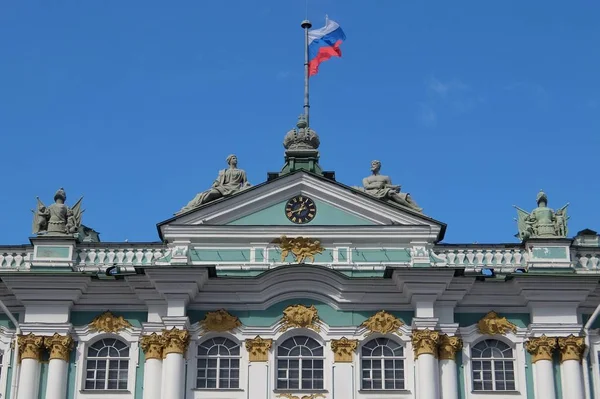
<point>449,347</point>
<point>571,348</point>
<point>153,346</point>
<point>59,346</point>
<point>541,348</point>
<point>258,349</point>
<point>30,346</point>
<point>175,341</point>
<point>425,342</point>
<point>343,349</point>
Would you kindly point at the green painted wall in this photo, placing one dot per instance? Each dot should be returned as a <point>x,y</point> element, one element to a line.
<point>557,375</point>
<point>461,376</point>
<point>139,376</point>
<point>9,374</point>
<point>83,318</point>
<point>327,215</point>
<point>71,374</point>
<point>5,321</point>
<point>468,319</point>
<point>529,376</point>
<point>43,376</point>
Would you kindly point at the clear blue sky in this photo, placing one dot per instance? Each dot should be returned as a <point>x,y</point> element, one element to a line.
<point>471,106</point>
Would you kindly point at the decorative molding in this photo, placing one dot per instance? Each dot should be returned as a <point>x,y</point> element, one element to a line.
<point>302,248</point>
<point>290,396</point>
<point>343,349</point>
<point>30,346</point>
<point>300,316</point>
<point>258,349</point>
<point>492,324</point>
<point>541,348</point>
<point>175,341</point>
<point>449,346</point>
<point>153,346</point>
<point>425,342</point>
<point>382,322</point>
<point>571,348</point>
<point>219,321</point>
<point>59,346</point>
<point>108,322</point>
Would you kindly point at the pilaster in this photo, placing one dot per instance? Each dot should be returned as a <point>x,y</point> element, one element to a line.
<point>571,353</point>
<point>448,347</point>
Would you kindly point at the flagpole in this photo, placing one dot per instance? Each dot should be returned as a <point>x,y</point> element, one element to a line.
<point>306,25</point>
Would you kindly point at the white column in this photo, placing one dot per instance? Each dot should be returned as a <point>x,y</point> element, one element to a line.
<point>425,346</point>
<point>571,351</point>
<point>343,377</point>
<point>152,345</point>
<point>448,347</point>
<point>258,367</point>
<point>30,350</point>
<point>541,349</point>
<point>59,347</point>
<point>176,342</point>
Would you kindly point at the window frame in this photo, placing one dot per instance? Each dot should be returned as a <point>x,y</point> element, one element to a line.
<point>323,358</point>
<point>382,358</point>
<point>492,360</point>
<point>108,360</point>
<point>238,357</point>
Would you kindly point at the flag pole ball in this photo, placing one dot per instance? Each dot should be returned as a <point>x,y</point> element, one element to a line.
<point>306,24</point>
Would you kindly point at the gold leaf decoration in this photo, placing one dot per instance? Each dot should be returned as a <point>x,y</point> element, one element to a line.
<point>425,342</point>
<point>290,396</point>
<point>30,346</point>
<point>153,346</point>
<point>541,348</point>
<point>343,349</point>
<point>258,349</point>
<point>449,346</point>
<point>59,346</point>
<point>219,321</point>
<point>492,324</point>
<point>108,322</point>
<point>175,341</point>
<point>300,316</point>
<point>571,348</point>
<point>302,248</point>
<point>382,322</point>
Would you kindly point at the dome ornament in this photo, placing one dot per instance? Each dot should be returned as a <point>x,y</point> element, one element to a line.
<point>301,138</point>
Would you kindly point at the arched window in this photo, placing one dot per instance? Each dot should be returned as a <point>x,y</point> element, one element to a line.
<point>107,365</point>
<point>493,366</point>
<point>218,364</point>
<point>382,365</point>
<point>300,364</point>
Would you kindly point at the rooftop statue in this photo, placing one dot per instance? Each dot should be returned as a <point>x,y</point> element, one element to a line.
<point>542,222</point>
<point>58,218</point>
<point>229,182</point>
<point>380,186</point>
<point>302,137</point>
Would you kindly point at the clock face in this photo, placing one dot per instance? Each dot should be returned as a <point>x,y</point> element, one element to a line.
<point>300,209</point>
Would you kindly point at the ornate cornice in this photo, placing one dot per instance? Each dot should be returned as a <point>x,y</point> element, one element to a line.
<point>153,346</point>
<point>382,322</point>
<point>425,342</point>
<point>175,341</point>
<point>219,321</point>
<point>59,346</point>
<point>108,322</point>
<point>300,316</point>
<point>492,324</point>
<point>343,349</point>
<point>571,348</point>
<point>258,349</point>
<point>449,347</point>
<point>30,346</point>
<point>541,348</point>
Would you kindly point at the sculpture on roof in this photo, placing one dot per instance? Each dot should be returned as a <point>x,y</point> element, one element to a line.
<point>542,222</point>
<point>380,186</point>
<point>229,182</point>
<point>58,218</point>
<point>301,138</point>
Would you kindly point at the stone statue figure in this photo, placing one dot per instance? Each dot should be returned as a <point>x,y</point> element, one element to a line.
<point>229,182</point>
<point>58,218</point>
<point>542,222</point>
<point>380,186</point>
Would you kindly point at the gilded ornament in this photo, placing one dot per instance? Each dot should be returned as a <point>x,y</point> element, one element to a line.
<point>425,342</point>
<point>571,348</point>
<point>175,341</point>
<point>492,324</point>
<point>108,322</point>
<point>382,322</point>
<point>290,396</point>
<point>30,346</point>
<point>300,316</point>
<point>153,346</point>
<point>59,346</point>
<point>258,349</point>
<point>541,348</point>
<point>302,248</point>
<point>343,349</point>
<point>219,321</point>
<point>449,346</point>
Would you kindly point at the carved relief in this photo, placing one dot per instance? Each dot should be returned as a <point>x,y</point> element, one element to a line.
<point>152,345</point>
<point>30,346</point>
<point>425,342</point>
<point>258,349</point>
<point>59,346</point>
<point>175,341</point>
<point>492,324</point>
<point>302,248</point>
<point>571,348</point>
<point>541,348</point>
<point>290,396</point>
<point>343,349</point>
<point>108,322</point>
<point>449,347</point>
<point>382,322</point>
<point>219,321</point>
<point>300,316</point>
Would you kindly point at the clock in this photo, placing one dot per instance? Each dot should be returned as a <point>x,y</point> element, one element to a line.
<point>300,209</point>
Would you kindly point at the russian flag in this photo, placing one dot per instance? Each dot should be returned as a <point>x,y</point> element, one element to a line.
<point>323,44</point>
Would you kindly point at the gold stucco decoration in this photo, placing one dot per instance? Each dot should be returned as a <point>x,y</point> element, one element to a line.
<point>258,349</point>
<point>30,346</point>
<point>382,322</point>
<point>492,324</point>
<point>302,248</point>
<point>153,346</point>
<point>425,342</point>
<point>343,349</point>
<point>108,322</point>
<point>449,346</point>
<point>175,341</point>
<point>300,316</point>
<point>59,346</point>
<point>219,321</point>
<point>541,348</point>
<point>571,348</point>
<point>290,396</point>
